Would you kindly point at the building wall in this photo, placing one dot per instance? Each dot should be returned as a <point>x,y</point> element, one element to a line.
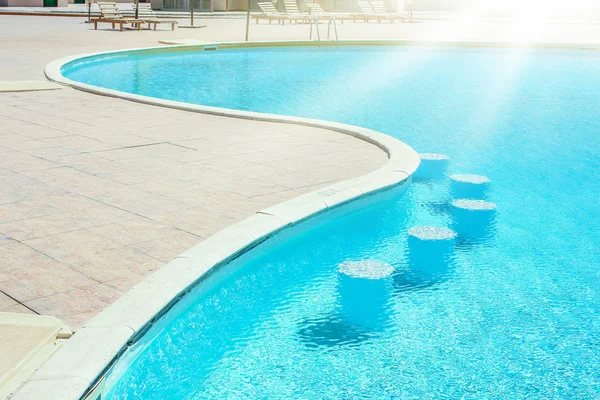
<point>30,3</point>
<point>238,5</point>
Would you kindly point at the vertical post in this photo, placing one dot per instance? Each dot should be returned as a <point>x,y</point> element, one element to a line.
<point>248,19</point>
<point>335,30</point>
<point>318,33</point>
<point>137,6</point>
<point>192,12</point>
<point>212,6</point>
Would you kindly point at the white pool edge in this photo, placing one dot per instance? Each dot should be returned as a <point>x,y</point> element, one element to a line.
<point>82,360</point>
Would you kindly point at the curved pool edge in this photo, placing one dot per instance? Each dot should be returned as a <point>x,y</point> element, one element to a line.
<point>77,369</point>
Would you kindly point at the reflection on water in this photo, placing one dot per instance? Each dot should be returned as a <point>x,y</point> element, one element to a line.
<point>441,208</point>
<point>423,271</point>
<point>330,331</point>
<point>408,281</point>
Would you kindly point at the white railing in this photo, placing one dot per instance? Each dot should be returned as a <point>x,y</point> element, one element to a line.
<point>314,20</point>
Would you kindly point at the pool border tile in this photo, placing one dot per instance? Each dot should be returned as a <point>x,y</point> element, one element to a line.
<point>78,368</point>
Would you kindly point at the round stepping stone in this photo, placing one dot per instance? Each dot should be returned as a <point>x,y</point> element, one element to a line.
<point>433,166</point>
<point>431,233</point>
<point>473,219</point>
<point>365,290</point>
<point>474,205</point>
<point>430,248</point>
<point>367,269</point>
<point>467,186</point>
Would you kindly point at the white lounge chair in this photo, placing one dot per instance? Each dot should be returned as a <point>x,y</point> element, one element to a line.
<point>109,13</point>
<point>270,13</point>
<point>146,13</point>
<point>367,12</point>
<point>380,9</point>
<point>317,10</point>
<point>292,11</point>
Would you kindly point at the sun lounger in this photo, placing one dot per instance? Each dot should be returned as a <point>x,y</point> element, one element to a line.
<point>316,10</point>
<point>379,8</point>
<point>146,13</point>
<point>367,13</point>
<point>109,13</point>
<point>270,13</point>
<point>292,11</point>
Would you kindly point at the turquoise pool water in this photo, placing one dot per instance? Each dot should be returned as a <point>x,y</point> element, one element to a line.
<point>515,314</point>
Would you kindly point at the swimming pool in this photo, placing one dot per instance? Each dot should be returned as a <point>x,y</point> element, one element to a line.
<point>513,314</point>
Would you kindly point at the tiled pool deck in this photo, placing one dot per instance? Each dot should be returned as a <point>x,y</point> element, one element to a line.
<point>97,192</point>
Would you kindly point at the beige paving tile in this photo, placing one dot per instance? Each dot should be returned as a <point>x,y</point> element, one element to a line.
<point>199,221</point>
<point>79,143</point>
<point>149,150</point>
<point>135,231</point>
<point>16,255</point>
<point>168,247</point>
<point>21,162</point>
<point>43,279</point>
<point>35,131</point>
<point>91,163</point>
<point>16,308</point>
<point>124,283</point>
<point>13,142</point>
<point>171,187</point>
<point>27,209</point>
<point>142,203</point>
<point>95,256</point>
<point>76,306</point>
<point>6,301</point>
<point>50,153</point>
<point>40,227</point>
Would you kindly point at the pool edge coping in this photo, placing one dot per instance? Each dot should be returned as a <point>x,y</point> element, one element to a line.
<point>77,369</point>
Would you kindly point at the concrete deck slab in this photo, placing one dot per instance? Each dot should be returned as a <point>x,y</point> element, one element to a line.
<point>27,86</point>
<point>27,341</point>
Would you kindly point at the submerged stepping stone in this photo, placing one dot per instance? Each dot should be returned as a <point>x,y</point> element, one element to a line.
<point>367,269</point>
<point>433,166</point>
<point>474,205</point>
<point>430,248</point>
<point>364,293</point>
<point>467,186</point>
<point>473,219</point>
<point>430,233</point>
